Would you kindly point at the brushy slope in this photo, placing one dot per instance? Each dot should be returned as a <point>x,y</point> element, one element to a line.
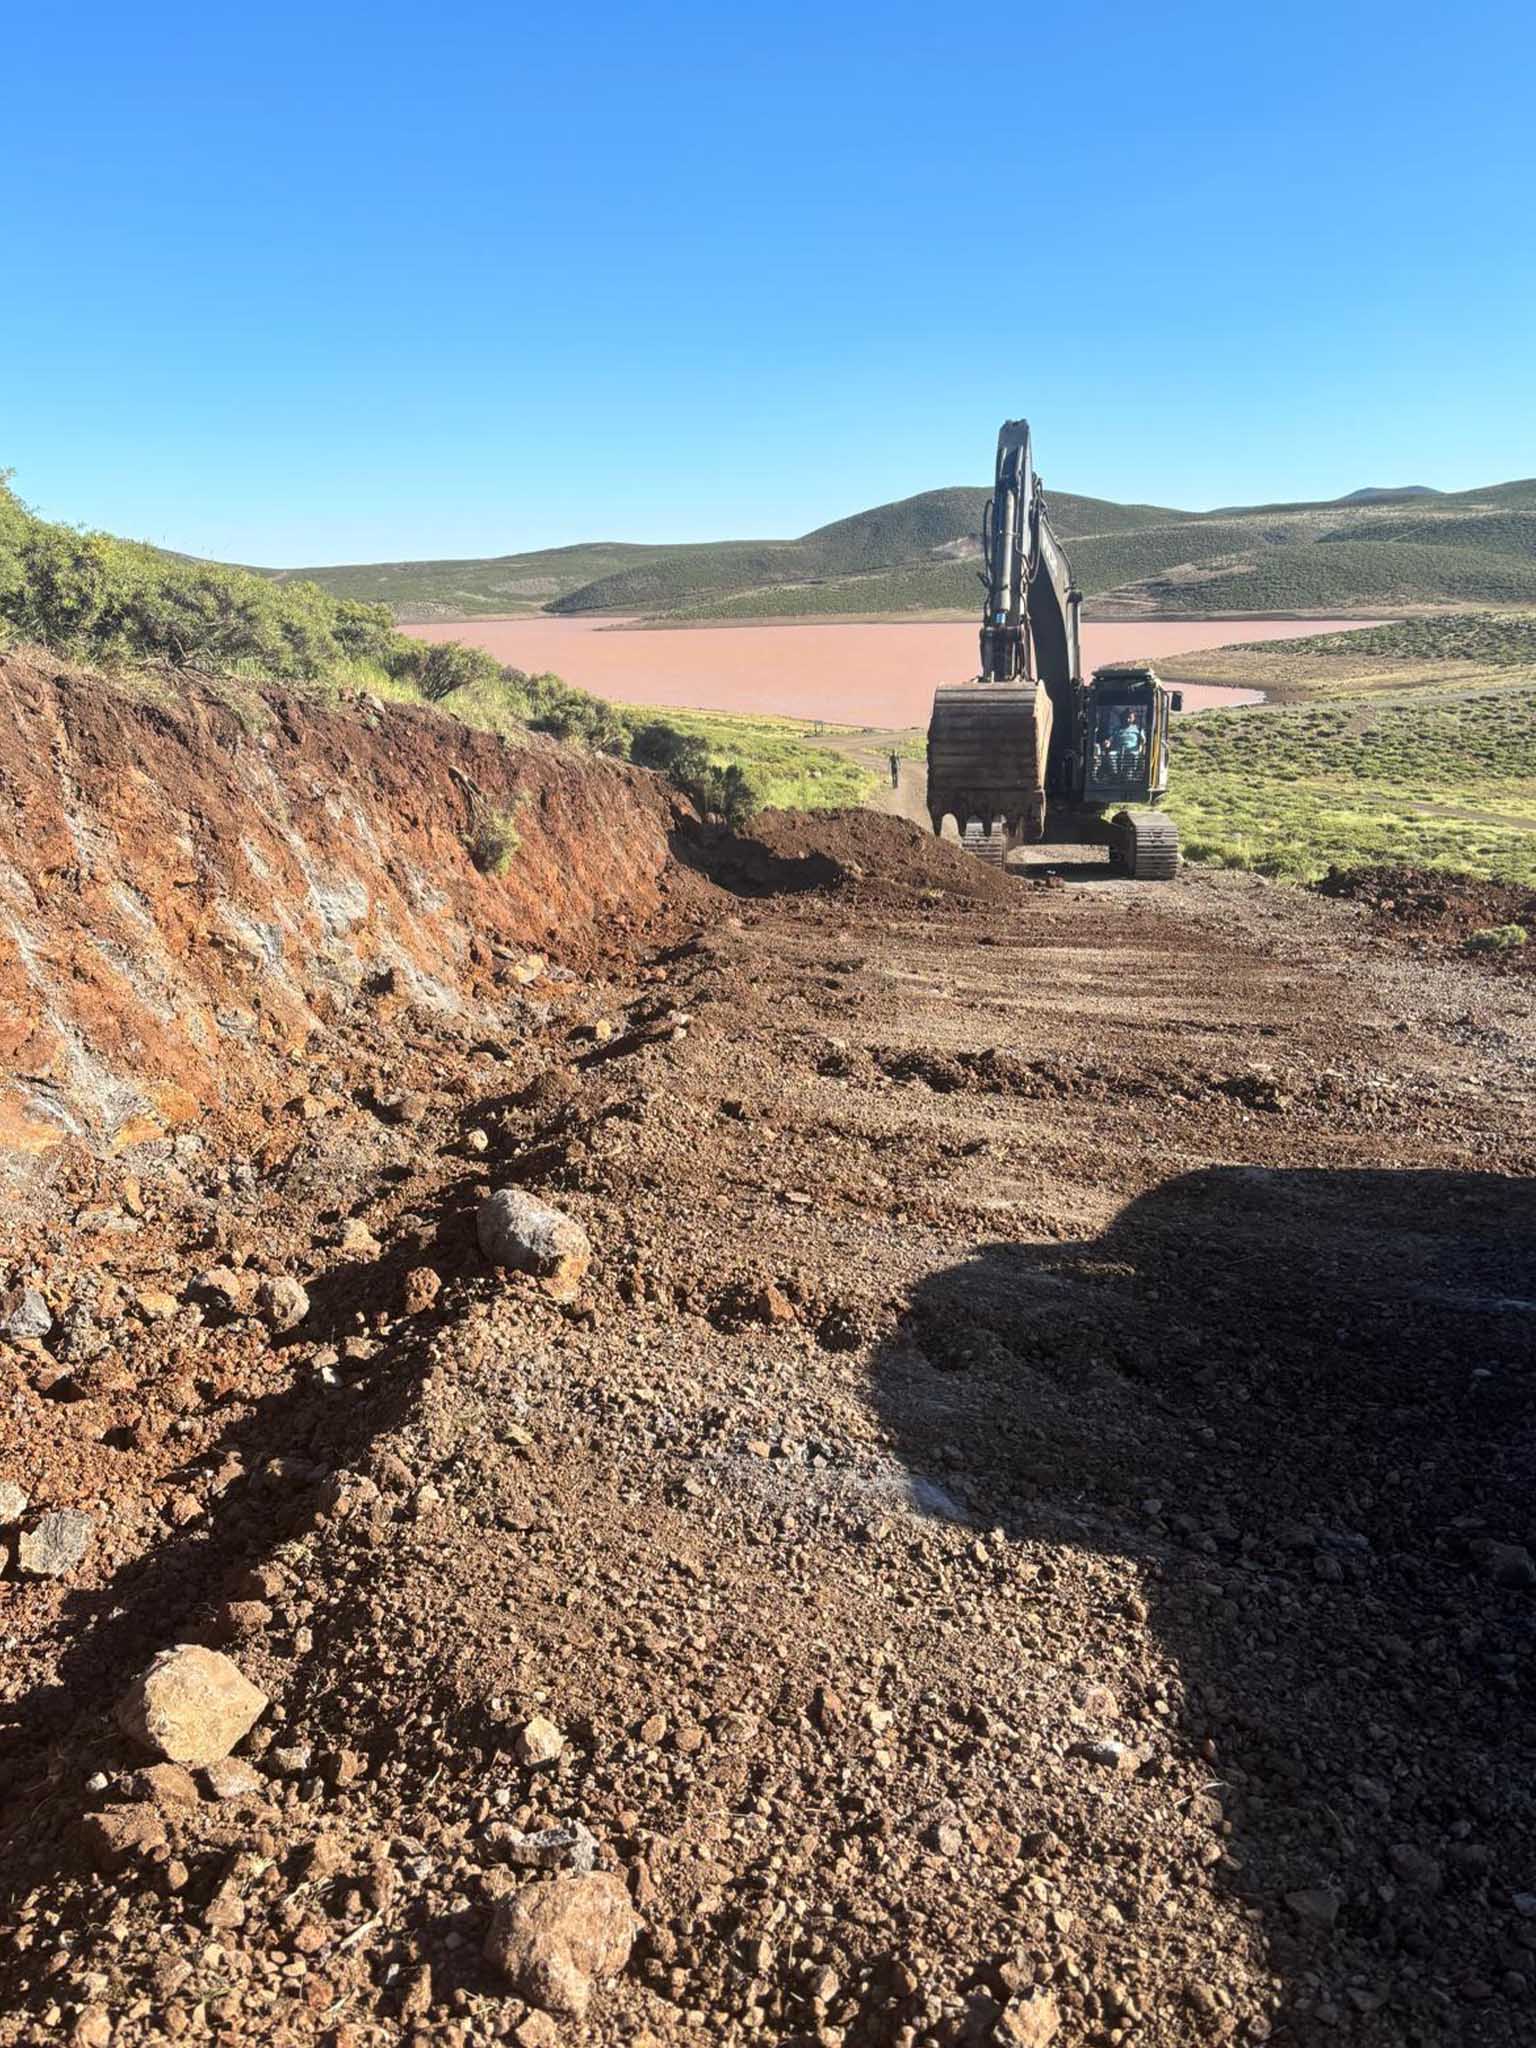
<point>1346,573</point>
<point>123,606</point>
<point>1444,781</point>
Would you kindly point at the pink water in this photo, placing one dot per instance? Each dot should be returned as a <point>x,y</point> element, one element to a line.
<point>854,674</point>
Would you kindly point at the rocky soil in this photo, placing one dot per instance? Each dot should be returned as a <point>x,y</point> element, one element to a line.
<point>975,1488</point>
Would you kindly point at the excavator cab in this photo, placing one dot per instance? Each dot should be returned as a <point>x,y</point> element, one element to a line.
<point>1125,739</point>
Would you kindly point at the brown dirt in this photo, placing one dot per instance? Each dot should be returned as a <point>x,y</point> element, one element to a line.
<point>1013,1508</point>
<point>1438,913</point>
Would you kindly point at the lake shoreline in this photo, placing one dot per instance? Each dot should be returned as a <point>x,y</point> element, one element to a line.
<point>879,674</point>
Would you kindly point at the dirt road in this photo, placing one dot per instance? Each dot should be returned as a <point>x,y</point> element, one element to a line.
<point>1021,1532</point>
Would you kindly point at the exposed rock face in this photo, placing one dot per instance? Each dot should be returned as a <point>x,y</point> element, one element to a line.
<point>551,1940</point>
<point>517,1230</point>
<point>191,1706</point>
<point>213,850</point>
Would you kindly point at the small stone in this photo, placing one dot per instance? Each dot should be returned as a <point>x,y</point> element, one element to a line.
<point>281,1302</point>
<point>416,2001</point>
<point>122,1835</point>
<point>191,1706</point>
<point>168,1785</point>
<point>92,2028</point>
<point>772,1306</point>
<point>13,1502</point>
<point>477,1140</point>
<point>551,1940</point>
<point>356,1237</point>
<point>538,1742</point>
<point>55,1544</point>
<point>422,1287</point>
<point>1031,2021</point>
<point>1510,1564</point>
<point>23,1314</point>
<point>1415,1867</point>
<point>570,1846</point>
<point>220,1288</point>
<point>293,1759</point>
<point>233,1778</point>
<point>1114,1756</point>
<point>155,1305</point>
<point>537,2031</point>
<point>518,1231</point>
<point>1315,1904</point>
<point>236,1618</point>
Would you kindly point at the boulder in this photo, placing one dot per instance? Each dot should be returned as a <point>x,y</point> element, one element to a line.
<point>191,1706</point>
<point>551,1940</point>
<point>519,1231</point>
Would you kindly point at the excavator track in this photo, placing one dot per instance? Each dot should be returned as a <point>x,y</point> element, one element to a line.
<point>990,846</point>
<point>1145,845</point>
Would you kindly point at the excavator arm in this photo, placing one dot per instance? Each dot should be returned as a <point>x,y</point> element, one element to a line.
<point>1029,630</point>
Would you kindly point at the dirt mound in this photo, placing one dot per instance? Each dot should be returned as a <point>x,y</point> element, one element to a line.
<point>1444,912</point>
<point>197,885</point>
<point>869,855</point>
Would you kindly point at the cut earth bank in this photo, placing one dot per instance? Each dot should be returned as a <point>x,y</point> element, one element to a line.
<point>1022,1530</point>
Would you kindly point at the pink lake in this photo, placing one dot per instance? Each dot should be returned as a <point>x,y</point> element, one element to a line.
<point>853,674</point>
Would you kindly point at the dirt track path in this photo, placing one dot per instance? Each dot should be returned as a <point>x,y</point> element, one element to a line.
<point>1005,1530</point>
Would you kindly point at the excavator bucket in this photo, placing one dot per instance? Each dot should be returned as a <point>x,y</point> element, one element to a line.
<point>987,749</point>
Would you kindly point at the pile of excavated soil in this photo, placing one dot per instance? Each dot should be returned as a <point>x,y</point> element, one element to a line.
<point>874,858</point>
<point>1441,912</point>
<point>1023,1532</point>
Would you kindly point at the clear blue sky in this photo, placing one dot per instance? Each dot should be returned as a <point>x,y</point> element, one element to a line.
<point>339,282</point>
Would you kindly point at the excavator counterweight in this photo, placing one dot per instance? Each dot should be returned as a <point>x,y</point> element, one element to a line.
<point>1028,737</point>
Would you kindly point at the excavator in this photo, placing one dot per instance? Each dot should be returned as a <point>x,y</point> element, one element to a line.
<point>1028,738</point>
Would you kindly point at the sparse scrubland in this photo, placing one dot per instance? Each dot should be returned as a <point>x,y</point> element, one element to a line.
<point>919,555</point>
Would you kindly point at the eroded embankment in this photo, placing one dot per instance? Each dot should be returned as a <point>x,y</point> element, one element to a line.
<point>191,885</point>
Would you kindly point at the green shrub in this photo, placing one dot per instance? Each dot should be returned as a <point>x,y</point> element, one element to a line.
<point>1497,938</point>
<point>495,842</point>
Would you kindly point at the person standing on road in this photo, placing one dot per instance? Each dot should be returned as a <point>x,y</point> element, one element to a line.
<point>895,771</point>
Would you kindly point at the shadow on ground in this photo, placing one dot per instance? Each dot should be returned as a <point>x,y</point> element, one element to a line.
<point>743,866</point>
<point>1300,1406</point>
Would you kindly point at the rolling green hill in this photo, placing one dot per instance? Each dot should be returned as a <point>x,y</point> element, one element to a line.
<point>1372,550</point>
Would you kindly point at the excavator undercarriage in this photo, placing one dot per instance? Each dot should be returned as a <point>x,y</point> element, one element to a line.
<point>1027,751</point>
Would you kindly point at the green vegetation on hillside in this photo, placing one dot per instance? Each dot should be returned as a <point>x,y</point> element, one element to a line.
<point>1498,639</point>
<point>783,765</point>
<point>1429,780</point>
<point>125,606</point>
<point>1389,549</point>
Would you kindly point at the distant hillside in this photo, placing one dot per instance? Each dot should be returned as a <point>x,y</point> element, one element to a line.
<point>1376,548</point>
<point>1373,494</point>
